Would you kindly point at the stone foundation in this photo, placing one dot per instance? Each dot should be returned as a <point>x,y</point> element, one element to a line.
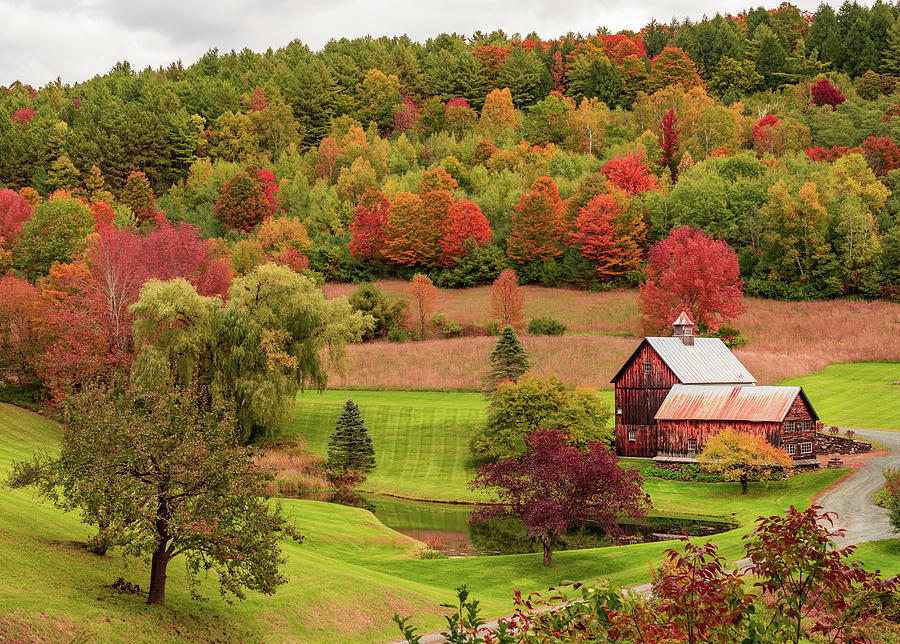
<point>836,444</point>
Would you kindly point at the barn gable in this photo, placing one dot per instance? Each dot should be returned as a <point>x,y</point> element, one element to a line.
<point>706,361</point>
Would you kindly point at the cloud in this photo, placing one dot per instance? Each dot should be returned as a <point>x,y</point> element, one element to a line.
<point>77,39</point>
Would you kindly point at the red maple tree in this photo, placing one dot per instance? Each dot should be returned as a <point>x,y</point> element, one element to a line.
<point>554,487</point>
<point>463,228</point>
<point>21,330</point>
<point>15,210</point>
<point>692,271</point>
<point>824,93</point>
<point>367,229</point>
<point>630,173</point>
<point>669,143</point>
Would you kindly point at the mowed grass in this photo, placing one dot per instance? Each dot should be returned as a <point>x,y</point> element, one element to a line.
<point>421,438</point>
<point>344,581</point>
<point>859,395</point>
<point>785,339</point>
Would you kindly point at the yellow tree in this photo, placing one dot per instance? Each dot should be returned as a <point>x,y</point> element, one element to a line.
<point>742,457</point>
<point>498,112</point>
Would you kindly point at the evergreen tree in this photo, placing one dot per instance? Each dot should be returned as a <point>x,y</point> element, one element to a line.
<point>509,361</point>
<point>891,56</point>
<point>350,445</point>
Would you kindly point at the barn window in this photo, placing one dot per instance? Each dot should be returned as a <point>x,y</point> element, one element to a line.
<point>806,448</point>
<point>791,449</point>
<point>632,435</point>
<point>692,446</point>
<point>788,427</point>
<point>807,425</point>
<point>618,411</point>
<point>647,367</point>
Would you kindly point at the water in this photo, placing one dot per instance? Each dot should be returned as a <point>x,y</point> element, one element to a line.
<point>446,527</point>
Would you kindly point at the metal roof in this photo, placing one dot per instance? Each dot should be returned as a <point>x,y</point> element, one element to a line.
<point>727,402</point>
<point>707,362</point>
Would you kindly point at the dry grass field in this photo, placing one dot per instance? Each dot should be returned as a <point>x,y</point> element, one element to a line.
<point>785,339</point>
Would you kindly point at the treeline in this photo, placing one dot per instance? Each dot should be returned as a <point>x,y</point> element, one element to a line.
<point>565,159</point>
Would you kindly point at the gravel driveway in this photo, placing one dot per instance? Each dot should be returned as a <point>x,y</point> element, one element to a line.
<point>858,515</point>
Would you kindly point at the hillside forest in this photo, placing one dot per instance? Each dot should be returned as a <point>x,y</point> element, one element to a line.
<point>565,159</point>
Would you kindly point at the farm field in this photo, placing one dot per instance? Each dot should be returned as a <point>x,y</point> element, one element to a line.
<point>348,559</point>
<point>785,339</point>
<point>875,403</point>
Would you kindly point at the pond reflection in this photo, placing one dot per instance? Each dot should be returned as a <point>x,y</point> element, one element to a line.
<point>445,527</point>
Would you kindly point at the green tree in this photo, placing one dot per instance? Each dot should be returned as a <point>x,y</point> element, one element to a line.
<point>509,360</point>
<point>769,55</point>
<point>732,76</point>
<point>55,233</point>
<point>518,408</point>
<point>163,476</point>
<point>350,444</point>
<point>256,352</point>
<point>596,77</point>
<point>890,57</point>
<point>527,78</point>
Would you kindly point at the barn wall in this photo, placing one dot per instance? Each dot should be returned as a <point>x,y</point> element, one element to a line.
<point>640,396</point>
<point>645,445</point>
<point>673,435</point>
<point>798,412</point>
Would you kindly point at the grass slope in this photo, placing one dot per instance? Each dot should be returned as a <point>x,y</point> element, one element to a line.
<point>345,581</point>
<point>856,395</point>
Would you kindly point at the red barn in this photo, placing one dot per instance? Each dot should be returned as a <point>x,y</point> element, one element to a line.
<point>658,364</point>
<point>690,414</point>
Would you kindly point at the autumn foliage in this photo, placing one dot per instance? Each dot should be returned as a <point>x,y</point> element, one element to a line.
<point>507,299</point>
<point>14,211</point>
<point>554,487</point>
<point>537,223</point>
<point>609,236</point>
<point>423,295</point>
<point>630,173</point>
<point>692,271</point>
<point>243,202</point>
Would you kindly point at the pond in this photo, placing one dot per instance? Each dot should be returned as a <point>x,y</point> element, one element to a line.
<point>445,527</point>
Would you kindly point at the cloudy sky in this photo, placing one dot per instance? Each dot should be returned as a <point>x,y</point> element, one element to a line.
<point>76,39</point>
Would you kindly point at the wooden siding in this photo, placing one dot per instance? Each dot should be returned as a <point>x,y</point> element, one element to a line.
<point>643,445</point>
<point>673,435</point>
<point>639,395</point>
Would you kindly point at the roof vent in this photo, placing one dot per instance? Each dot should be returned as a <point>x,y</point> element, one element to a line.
<point>684,329</point>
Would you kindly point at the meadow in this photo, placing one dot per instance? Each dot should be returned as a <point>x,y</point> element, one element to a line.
<point>345,580</point>
<point>784,339</point>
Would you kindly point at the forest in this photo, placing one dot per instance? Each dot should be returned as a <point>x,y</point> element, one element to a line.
<point>565,159</point>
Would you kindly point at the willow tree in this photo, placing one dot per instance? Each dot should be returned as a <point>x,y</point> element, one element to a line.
<point>257,351</point>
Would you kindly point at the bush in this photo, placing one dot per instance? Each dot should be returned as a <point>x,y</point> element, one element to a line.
<point>480,266</point>
<point>397,334</point>
<point>428,553</point>
<point>447,327</point>
<point>369,299</point>
<point>687,473</point>
<point>546,326</point>
<point>491,328</point>
<point>732,337</point>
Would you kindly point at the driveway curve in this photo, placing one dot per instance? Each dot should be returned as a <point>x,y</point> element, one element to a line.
<point>852,500</point>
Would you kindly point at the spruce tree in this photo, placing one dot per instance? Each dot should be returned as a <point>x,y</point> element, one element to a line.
<point>508,360</point>
<point>350,445</point>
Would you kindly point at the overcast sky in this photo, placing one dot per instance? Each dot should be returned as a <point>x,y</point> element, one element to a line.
<point>77,39</point>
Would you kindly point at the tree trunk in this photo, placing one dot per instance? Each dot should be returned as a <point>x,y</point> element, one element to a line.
<point>744,481</point>
<point>548,543</point>
<point>158,565</point>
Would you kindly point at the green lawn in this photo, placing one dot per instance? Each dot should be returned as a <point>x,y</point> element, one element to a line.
<point>421,438</point>
<point>883,555</point>
<point>345,581</point>
<point>858,395</point>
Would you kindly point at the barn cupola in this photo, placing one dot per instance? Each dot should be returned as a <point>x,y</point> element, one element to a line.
<point>684,329</point>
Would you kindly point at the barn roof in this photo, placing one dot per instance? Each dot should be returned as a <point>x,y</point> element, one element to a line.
<point>707,361</point>
<point>728,402</point>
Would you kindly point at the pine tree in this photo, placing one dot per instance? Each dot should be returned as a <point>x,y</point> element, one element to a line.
<point>509,361</point>
<point>890,63</point>
<point>350,445</point>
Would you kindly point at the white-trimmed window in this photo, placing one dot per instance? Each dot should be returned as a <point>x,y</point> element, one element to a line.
<point>791,449</point>
<point>632,435</point>
<point>647,367</point>
<point>788,427</point>
<point>692,446</point>
<point>806,448</point>
<point>807,425</point>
